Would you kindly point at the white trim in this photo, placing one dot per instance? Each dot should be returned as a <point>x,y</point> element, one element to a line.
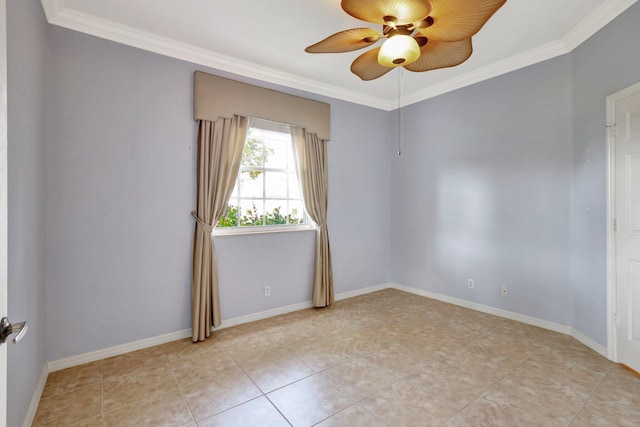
<point>93,356</point>
<point>545,324</point>
<point>600,349</point>
<point>117,350</point>
<point>162,339</point>
<point>264,229</point>
<point>611,240</point>
<point>612,295</point>
<point>35,400</point>
<point>263,315</point>
<point>556,327</point>
<point>363,291</point>
<point>57,14</point>
<point>522,60</point>
<point>295,307</point>
<point>598,19</point>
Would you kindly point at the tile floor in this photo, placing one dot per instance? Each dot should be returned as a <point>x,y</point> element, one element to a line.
<point>384,359</point>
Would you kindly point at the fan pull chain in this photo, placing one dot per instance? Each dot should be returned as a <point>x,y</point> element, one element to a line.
<point>400,115</point>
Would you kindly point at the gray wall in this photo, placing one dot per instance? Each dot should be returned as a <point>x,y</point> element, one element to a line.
<point>120,189</point>
<point>26,32</point>
<point>505,182</point>
<point>482,191</point>
<point>605,64</point>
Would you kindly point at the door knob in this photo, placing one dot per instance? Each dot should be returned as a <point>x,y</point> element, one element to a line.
<point>7,328</point>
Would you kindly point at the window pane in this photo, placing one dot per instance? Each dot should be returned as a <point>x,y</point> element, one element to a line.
<point>253,153</point>
<point>267,191</point>
<point>276,184</point>
<point>251,183</point>
<point>276,153</point>
<point>294,187</point>
<point>252,212</point>
<point>296,210</point>
<point>276,212</point>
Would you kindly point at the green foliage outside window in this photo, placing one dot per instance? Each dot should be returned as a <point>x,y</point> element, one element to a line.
<point>251,218</point>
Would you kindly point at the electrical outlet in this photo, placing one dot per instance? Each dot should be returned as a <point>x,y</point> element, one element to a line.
<point>505,291</point>
<point>470,284</point>
<point>267,291</point>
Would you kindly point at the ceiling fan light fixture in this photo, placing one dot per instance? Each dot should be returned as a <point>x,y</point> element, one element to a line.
<point>398,50</point>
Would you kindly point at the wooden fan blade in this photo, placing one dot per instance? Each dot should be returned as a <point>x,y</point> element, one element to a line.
<point>405,11</point>
<point>459,19</point>
<point>346,41</point>
<point>366,66</point>
<point>436,54</point>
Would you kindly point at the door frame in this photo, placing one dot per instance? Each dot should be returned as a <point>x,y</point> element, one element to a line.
<point>612,291</point>
<point>3,204</point>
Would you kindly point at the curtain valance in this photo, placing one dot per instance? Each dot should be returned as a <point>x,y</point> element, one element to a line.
<point>216,97</point>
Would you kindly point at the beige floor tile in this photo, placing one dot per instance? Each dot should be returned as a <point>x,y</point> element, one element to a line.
<point>490,357</point>
<point>437,342</point>
<point>620,389</point>
<point>359,377</point>
<point>405,405</point>
<point>71,407</point>
<point>322,354</point>
<point>601,413</point>
<point>73,378</point>
<point>461,420</point>
<point>452,386</point>
<point>522,400</point>
<point>414,361</point>
<point>310,400</point>
<point>570,372</point>
<point>398,359</point>
<point>255,413</point>
<point>166,410</point>
<point>275,372</point>
<point>186,349</point>
<point>91,422</point>
<point>129,363</point>
<point>353,416</point>
<point>209,397</point>
<point>202,367</point>
<point>142,384</point>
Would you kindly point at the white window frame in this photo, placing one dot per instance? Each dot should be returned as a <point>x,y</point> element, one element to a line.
<point>259,229</point>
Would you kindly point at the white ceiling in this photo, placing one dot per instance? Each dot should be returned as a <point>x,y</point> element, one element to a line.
<point>266,40</point>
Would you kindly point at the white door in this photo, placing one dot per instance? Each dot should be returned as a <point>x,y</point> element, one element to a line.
<point>3,204</point>
<point>626,139</point>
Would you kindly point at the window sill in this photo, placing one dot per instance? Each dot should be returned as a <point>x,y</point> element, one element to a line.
<point>238,231</point>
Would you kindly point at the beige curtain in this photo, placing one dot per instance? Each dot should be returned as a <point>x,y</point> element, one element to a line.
<point>220,145</point>
<point>311,160</point>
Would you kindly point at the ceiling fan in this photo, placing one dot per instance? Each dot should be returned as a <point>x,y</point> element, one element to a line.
<point>420,35</point>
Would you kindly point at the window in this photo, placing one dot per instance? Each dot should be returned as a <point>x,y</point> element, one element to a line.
<point>267,192</point>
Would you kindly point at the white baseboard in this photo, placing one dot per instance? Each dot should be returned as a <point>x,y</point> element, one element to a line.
<point>162,339</point>
<point>545,324</point>
<point>363,291</point>
<point>598,348</point>
<point>93,356</point>
<point>35,400</point>
<point>117,350</point>
<point>263,315</point>
<point>295,307</point>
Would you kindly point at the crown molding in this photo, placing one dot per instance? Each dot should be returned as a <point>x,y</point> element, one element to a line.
<point>57,14</point>
<point>594,22</point>
<point>525,59</point>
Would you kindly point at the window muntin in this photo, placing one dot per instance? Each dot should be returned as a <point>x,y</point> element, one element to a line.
<point>267,191</point>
